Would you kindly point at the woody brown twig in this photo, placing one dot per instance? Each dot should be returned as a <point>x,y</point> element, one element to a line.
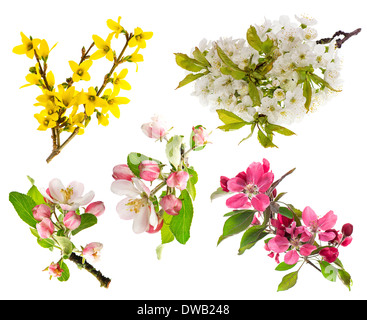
<point>339,42</point>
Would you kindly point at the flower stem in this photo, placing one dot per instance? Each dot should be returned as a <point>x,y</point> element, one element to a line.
<point>339,42</point>
<point>78,260</point>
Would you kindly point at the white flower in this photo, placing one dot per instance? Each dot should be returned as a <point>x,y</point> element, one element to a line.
<point>302,56</point>
<point>270,108</point>
<point>306,20</point>
<point>279,94</point>
<point>294,98</point>
<point>136,205</point>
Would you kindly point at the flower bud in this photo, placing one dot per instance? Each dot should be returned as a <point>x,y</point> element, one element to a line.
<point>159,226</point>
<point>149,170</point>
<point>45,228</point>
<point>72,220</point>
<point>200,136</point>
<point>330,254</point>
<point>41,211</point>
<point>155,129</point>
<point>347,229</point>
<point>171,204</point>
<point>92,251</point>
<point>178,180</point>
<point>122,172</point>
<point>55,270</point>
<point>223,183</point>
<point>97,208</point>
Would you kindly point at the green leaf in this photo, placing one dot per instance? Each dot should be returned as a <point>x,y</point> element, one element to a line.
<point>189,78</point>
<point>199,56</point>
<point>34,193</point>
<point>87,220</point>
<point>187,63</point>
<point>66,246</point>
<point>193,179</point>
<point>218,193</point>
<point>166,234</point>
<point>173,150</point>
<point>319,81</point>
<point>180,224</point>
<point>231,121</point>
<point>251,237</point>
<point>279,129</point>
<point>44,243</point>
<point>254,94</point>
<point>285,212</point>
<point>267,45</point>
<point>235,74</point>
<point>284,267</point>
<point>328,271</point>
<point>65,274</point>
<point>288,281</point>
<point>345,278</point>
<point>307,93</point>
<point>264,140</point>
<point>159,250</point>
<point>236,224</point>
<point>23,205</point>
<point>251,133</point>
<point>134,159</point>
<point>228,62</point>
<point>253,39</point>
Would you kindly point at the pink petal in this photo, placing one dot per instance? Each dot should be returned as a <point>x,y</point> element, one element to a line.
<point>236,184</point>
<point>307,249</point>
<point>266,165</point>
<point>141,220</point>
<point>265,181</point>
<point>328,221</point>
<point>125,211</point>
<point>86,199</point>
<point>238,201</point>
<point>55,187</point>
<point>278,244</point>
<point>260,202</point>
<point>291,257</point>
<point>78,189</point>
<point>308,216</point>
<point>326,236</point>
<point>124,188</point>
<point>254,172</point>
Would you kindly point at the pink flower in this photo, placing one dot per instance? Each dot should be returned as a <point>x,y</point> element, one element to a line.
<point>316,225</point>
<point>251,187</point>
<point>347,229</point>
<point>92,251</point>
<point>136,204</point>
<point>97,208</point>
<point>155,129</point>
<point>72,220</point>
<point>70,197</point>
<point>149,170</point>
<point>200,136</point>
<point>223,183</point>
<point>329,254</point>
<point>122,171</point>
<point>178,180</point>
<point>54,270</point>
<point>171,204</point>
<point>41,211</point>
<point>45,228</point>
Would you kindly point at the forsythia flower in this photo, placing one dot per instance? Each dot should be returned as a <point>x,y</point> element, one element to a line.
<point>91,101</point>
<point>44,50</point>
<point>113,102</point>
<point>68,96</point>
<point>139,38</point>
<point>27,47</point>
<point>33,78</point>
<point>115,27</point>
<point>102,119</point>
<point>135,57</point>
<point>104,48</point>
<point>81,71</point>
<point>47,119</point>
<point>119,82</point>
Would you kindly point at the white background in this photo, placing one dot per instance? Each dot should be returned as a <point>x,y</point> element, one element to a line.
<point>328,152</point>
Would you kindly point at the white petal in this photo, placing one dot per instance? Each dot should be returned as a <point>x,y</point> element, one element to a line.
<point>124,188</point>
<point>78,189</point>
<point>140,186</point>
<point>124,211</point>
<point>141,220</point>
<point>55,187</point>
<point>84,200</point>
<point>153,219</point>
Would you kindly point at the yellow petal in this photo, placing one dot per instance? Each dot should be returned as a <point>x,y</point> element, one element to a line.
<point>98,41</point>
<point>147,35</point>
<point>98,55</point>
<point>21,49</point>
<point>74,66</point>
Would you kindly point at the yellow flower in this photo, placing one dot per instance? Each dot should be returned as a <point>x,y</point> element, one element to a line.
<point>47,118</point>
<point>46,97</point>
<point>113,102</point>
<point>102,119</point>
<point>68,97</point>
<point>135,57</point>
<point>139,38</point>
<point>44,50</point>
<point>27,47</point>
<point>115,27</point>
<point>81,71</point>
<point>119,82</point>
<point>75,120</point>
<point>91,101</point>
<point>33,78</point>
<point>104,48</point>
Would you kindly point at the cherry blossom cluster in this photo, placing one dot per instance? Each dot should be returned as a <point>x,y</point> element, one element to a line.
<point>155,199</point>
<point>55,215</point>
<point>297,237</point>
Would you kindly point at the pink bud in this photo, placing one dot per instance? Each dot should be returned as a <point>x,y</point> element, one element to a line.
<point>159,226</point>
<point>72,220</point>
<point>92,250</point>
<point>97,208</point>
<point>171,204</point>
<point>45,228</point>
<point>155,129</point>
<point>223,183</point>
<point>200,136</point>
<point>55,270</point>
<point>41,211</point>
<point>347,241</point>
<point>178,180</point>
<point>347,229</point>
<point>122,172</point>
<point>149,170</point>
<point>329,254</point>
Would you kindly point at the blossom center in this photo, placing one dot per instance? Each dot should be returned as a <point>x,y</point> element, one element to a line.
<point>67,193</point>
<point>80,72</point>
<point>251,190</point>
<point>136,205</point>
